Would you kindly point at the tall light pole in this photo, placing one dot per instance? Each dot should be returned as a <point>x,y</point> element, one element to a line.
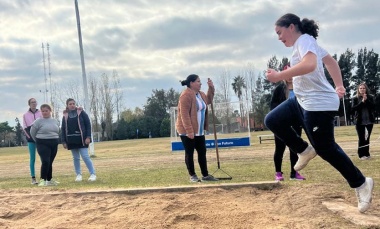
<point>86,103</point>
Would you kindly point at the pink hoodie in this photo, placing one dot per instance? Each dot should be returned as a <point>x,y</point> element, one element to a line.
<point>28,119</point>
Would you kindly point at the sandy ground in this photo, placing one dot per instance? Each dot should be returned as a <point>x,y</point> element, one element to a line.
<point>245,207</point>
<point>283,206</point>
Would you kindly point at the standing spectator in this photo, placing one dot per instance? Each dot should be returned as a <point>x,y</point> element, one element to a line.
<point>76,136</point>
<point>314,106</point>
<point>363,104</point>
<point>28,118</point>
<point>45,132</point>
<point>192,121</point>
<point>282,92</point>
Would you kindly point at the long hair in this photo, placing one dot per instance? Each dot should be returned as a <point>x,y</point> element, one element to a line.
<point>305,26</point>
<point>366,90</point>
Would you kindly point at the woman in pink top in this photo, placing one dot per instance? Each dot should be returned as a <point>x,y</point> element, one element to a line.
<point>28,118</point>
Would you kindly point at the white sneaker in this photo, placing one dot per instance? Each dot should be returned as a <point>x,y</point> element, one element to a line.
<point>304,158</point>
<point>42,183</point>
<point>364,194</point>
<point>92,177</point>
<point>34,181</point>
<point>79,178</point>
<point>51,183</point>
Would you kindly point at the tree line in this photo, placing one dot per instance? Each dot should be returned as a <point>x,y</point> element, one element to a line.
<point>113,121</point>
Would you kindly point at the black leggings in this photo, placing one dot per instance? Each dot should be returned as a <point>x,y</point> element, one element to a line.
<point>360,130</point>
<point>279,153</point>
<point>198,143</point>
<point>47,149</point>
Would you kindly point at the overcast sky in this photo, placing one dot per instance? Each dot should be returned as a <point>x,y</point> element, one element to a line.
<point>153,44</point>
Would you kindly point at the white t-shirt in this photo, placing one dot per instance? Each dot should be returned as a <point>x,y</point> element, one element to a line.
<point>201,114</point>
<point>313,91</point>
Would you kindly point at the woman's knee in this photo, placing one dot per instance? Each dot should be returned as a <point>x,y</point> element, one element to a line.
<point>270,120</point>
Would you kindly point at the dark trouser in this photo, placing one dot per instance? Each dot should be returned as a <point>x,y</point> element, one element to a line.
<point>279,154</point>
<point>198,143</point>
<point>363,149</point>
<point>47,149</point>
<point>319,128</point>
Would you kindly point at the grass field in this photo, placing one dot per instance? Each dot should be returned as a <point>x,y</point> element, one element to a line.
<point>150,163</point>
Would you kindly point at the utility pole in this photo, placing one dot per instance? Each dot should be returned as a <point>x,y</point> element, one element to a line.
<point>50,88</point>
<point>86,101</point>
<point>48,52</point>
<point>43,60</point>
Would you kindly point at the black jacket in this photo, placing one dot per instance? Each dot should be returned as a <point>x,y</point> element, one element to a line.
<point>278,96</point>
<point>358,105</point>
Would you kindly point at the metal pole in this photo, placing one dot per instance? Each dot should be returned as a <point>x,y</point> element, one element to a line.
<point>86,103</point>
<point>344,109</point>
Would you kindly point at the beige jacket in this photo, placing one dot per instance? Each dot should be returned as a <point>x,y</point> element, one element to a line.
<point>187,122</point>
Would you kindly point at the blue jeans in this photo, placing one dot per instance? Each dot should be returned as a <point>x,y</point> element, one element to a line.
<point>319,128</point>
<point>77,153</point>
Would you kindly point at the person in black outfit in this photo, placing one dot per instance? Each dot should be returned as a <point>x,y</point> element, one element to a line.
<point>363,104</point>
<point>281,93</point>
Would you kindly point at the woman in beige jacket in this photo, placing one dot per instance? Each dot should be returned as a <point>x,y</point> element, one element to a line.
<point>192,122</point>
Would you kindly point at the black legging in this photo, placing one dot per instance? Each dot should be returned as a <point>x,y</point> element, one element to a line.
<point>279,154</point>
<point>198,143</point>
<point>47,149</point>
<point>360,130</point>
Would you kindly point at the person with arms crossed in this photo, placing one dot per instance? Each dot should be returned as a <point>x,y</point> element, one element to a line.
<point>314,106</point>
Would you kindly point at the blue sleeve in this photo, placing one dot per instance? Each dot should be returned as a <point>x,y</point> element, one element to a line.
<point>87,124</point>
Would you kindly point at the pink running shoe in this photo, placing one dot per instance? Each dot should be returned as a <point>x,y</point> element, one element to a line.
<point>278,176</point>
<point>298,177</point>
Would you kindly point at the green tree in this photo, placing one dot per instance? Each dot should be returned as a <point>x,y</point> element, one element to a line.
<point>165,128</point>
<point>158,105</point>
<point>238,85</point>
<point>122,129</point>
<point>5,129</point>
<point>261,107</point>
<point>278,66</point>
<point>347,64</point>
<point>367,70</point>
<point>157,109</point>
<point>18,129</point>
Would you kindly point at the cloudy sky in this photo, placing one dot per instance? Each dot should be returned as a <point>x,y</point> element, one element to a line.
<point>153,44</point>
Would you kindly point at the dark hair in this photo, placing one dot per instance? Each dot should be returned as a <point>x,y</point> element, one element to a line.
<point>67,102</point>
<point>305,26</point>
<point>190,78</point>
<point>30,100</point>
<point>45,106</point>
